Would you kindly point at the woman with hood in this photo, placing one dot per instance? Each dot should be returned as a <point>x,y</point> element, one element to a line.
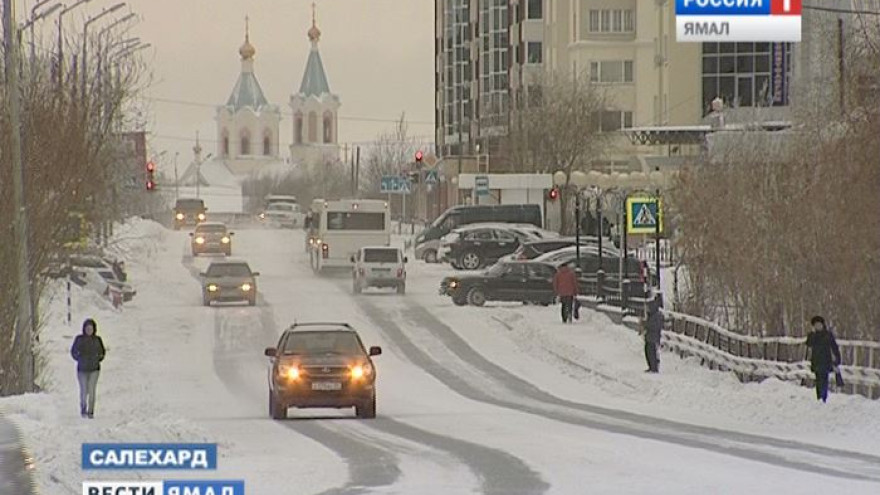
<point>88,351</point>
<point>824,355</point>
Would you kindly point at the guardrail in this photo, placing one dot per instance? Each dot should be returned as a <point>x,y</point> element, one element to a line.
<point>751,358</point>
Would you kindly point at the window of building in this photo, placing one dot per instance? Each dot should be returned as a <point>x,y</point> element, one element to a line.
<point>612,120</point>
<point>313,127</point>
<point>224,146</point>
<point>746,74</point>
<point>534,51</point>
<point>611,71</point>
<point>245,145</point>
<point>267,146</point>
<point>328,128</point>
<point>535,9</point>
<point>298,128</point>
<point>611,21</point>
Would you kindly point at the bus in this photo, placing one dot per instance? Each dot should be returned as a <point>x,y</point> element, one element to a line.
<point>344,226</point>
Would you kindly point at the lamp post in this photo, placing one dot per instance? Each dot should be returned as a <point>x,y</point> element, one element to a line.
<point>29,25</point>
<point>65,10</point>
<point>658,180</point>
<point>85,60</point>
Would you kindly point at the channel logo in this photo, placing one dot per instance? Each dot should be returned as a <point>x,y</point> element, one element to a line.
<point>176,487</point>
<point>738,20</point>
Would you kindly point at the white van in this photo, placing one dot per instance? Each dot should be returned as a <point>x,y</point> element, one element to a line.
<point>344,226</point>
<point>379,266</point>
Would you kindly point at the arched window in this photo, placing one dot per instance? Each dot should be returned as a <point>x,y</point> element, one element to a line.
<point>267,145</point>
<point>245,144</point>
<point>298,128</point>
<point>224,144</point>
<point>313,127</point>
<point>328,127</point>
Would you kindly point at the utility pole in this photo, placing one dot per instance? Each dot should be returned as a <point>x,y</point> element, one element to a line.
<point>23,331</point>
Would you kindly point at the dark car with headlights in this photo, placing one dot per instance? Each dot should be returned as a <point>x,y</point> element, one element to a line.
<point>189,211</point>
<point>322,365</point>
<point>229,280</point>
<point>211,237</point>
<point>471,248</point>
<point>529,282</point>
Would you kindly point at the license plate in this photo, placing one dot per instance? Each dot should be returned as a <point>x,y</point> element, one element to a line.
<point>326,386</point>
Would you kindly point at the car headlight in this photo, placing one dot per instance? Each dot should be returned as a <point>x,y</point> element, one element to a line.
<point>262,215</point>
<point>453,284</point>
<point>212,288</point>
<point>200,240</point>
<point>360,371</point>
<point>225,240</point>
<point>291,372</point>
<point>201,216</point>
<point>246,287</point>
<point>179,216</point>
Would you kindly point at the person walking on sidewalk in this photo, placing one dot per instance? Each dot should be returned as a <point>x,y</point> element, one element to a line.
<point>824,355</point>
<point>565,285</point>
<point>88,351</point>
<point>653,330</point>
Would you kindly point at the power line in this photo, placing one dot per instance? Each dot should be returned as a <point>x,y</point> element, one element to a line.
<point>286,113</point>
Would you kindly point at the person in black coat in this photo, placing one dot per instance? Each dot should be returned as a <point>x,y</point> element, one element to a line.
<point>824,355</point>
<point>653,331</point>
<point>88,351</point>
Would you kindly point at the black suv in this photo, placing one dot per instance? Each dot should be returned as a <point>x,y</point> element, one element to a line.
<point>506,281</point>
<point>188,211</point>
<point>322,365</point>
<point>478,247</point>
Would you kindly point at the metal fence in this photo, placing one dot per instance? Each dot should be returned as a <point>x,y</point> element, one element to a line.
<point>750,358</point>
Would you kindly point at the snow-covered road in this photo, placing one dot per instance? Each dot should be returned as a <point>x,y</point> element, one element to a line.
<point>499,400</point>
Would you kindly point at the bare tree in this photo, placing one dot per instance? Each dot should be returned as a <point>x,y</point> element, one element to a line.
<point>557,128</point>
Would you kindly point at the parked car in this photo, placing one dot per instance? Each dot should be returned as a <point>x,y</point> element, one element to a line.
<point>211,237</point>
<point>379,266</point>
<point>637,271</point>
<point>529,282</point>
<point>102,280</point>
<point>189,211</point>
<point>283,215</point>
<point>471,248</point>
<point>322,365</point>
<point>532,249</point>
<point>427,243</point>
<point>229,280</point>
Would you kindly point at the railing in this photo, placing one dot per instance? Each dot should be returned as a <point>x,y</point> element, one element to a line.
<point>750,358</point>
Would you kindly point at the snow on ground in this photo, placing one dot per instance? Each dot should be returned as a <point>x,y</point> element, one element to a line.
<point>600,362</point>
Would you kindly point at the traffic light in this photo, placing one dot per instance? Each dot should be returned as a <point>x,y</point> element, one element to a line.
<point>151,176</point>
<point>419,157</point>
<point>553,194</point>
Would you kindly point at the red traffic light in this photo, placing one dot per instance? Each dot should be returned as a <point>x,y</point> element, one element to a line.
<point>151,166</point>
<point>553,194</point>
<point>419,156</point>
<point>151,186</point>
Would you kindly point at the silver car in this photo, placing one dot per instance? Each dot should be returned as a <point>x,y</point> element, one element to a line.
<point>229,280</point>
<point>211,237</point>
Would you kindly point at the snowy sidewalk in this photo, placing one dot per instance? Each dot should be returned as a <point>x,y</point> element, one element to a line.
<point>15,463</point>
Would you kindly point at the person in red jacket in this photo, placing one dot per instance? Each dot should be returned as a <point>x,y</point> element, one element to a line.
<point>565,285</point>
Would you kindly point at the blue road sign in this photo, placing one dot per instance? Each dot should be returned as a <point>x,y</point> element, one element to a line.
<point>481,185</point>
<point>394,184</point>
<point>431,177</point>
<point>642,215</point>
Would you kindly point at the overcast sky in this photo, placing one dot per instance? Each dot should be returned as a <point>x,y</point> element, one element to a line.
<point>378,55</point>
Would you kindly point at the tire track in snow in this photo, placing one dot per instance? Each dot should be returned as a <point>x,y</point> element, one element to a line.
<point>782,453</point>
<point>369,467</point>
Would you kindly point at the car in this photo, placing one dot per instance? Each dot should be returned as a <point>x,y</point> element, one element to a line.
<point>534,248</point>
<point>189,211</point>
<point>527,282</point>
<point>322,365</point>
<point>474,248</point>
<point>211,237</point>
<point>379,266</point>
<point>566,254</point>
<point>229,280</point>
<point>97,261</point>
<point>283,215</point>
<point>102,279</point>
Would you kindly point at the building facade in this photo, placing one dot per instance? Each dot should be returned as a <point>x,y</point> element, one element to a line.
<point>315,111</point>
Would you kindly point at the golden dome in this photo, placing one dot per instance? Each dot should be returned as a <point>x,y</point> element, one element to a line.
<point>247,50</point>
<point>314,32</point>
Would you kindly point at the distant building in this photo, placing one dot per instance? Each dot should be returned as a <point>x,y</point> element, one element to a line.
<point>315,111</point>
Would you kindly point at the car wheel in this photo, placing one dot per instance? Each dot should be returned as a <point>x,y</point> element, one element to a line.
<point>401,288</point>
<point>459,301</point>
<point>276,409</point>
<point>367,410</point>
<point>470,260</point>
<point>476,297</point>
<point>430,256</point>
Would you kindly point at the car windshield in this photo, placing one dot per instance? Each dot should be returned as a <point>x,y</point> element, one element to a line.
<point>211,229</point>
<point>343,343</point>
<point>229,270</point>
<point>380,255</point>
<point>280,207</point>
<point>190,204</point>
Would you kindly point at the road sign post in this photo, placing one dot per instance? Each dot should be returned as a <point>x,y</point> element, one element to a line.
<point>481,186</point>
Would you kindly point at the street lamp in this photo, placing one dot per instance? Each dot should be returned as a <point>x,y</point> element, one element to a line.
<point>61,40</point>
<point>85,60</point>
<point>29,25</point>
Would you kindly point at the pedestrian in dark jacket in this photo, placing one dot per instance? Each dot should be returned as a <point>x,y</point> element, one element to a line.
<point>88,351</point>
<point>565,285</point>
<point>653,330</point>
<point>824,355</point>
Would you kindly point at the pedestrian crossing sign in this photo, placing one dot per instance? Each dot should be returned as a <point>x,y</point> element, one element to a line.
<point>642,215</point>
